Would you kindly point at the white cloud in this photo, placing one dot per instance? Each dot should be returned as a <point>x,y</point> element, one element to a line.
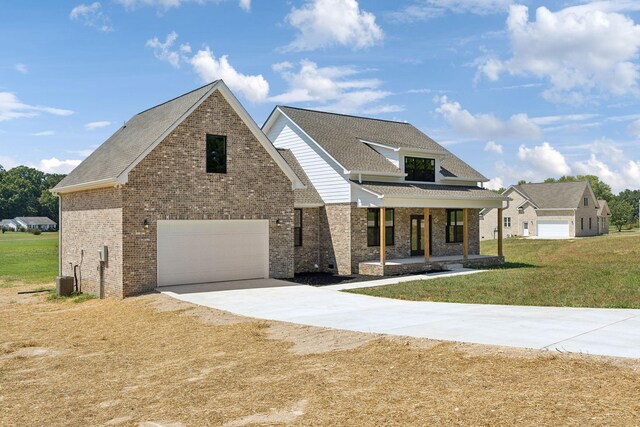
<point>619,177</point>
<point>428,9</point>
<point>8,162</point>
<point>333,88</point>
<point>12,108</point>
<point>486,126</point>
<point>325,23</point>
<point>544,161</point>
<point>245,5</point>
<point>21,68</point>
<point>97,125</point>
<point>494,183</point>
<point>581,50</point>
<point>91,15</point>
<point>493,146</point>
<point>53,165</point>
<point>163,51</point>
<point>44,133</point>
<point>634,129</point>
<point>254,88</point>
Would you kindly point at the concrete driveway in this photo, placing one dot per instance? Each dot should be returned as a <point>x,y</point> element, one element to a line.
<point>610,332</point>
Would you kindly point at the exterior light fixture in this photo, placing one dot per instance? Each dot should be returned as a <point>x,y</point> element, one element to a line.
<point>146,223</point>
<point>279,222</point>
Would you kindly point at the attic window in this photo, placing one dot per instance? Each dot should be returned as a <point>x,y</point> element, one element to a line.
<point>216,154</point>
<point>420,169</point>
<point>586,201</point>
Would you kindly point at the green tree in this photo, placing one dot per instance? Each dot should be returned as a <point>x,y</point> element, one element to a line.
<point>522,181</point>
<point>632,197</point>
<point>621,213</point>
<point>24,191</point>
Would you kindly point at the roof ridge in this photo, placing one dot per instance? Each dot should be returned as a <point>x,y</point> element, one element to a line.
<point>177,97</point>
<point>345,115</point>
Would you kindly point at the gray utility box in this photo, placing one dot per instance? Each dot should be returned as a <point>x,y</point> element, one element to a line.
<point>64,286</point>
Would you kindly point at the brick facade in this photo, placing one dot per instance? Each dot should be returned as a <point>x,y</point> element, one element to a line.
<point>307,256</point>
<point>171,183</point>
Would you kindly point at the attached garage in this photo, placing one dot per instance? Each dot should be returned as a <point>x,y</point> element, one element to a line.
<point>553,228</point>
<point>212,251</point>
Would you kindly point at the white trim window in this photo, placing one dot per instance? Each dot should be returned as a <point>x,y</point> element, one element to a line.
<point>506,222</point>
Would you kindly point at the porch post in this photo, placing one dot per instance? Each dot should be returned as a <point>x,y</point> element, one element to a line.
<point>425,238</point>
<point>500,232</point>
<point>465,233</point>
<point>383,237</point>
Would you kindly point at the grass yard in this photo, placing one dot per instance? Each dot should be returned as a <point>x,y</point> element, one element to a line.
<point>599,271</point>
<point>25,258</point>
<point>153,360</point>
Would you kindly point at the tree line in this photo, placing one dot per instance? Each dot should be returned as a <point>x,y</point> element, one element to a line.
<point>624,206</point>
<point>24,191</point>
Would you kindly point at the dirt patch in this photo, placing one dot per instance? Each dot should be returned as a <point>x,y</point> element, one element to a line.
<point>313,340</point>
<point>147,361</point>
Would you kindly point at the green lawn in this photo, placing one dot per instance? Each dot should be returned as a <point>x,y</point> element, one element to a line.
<point>599,271</point>
<point>28,259</point>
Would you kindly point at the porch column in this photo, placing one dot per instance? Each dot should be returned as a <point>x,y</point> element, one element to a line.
<point>383,237</point>
<point>500,232</point>
<point>465,233</point>
<point>425,238</point>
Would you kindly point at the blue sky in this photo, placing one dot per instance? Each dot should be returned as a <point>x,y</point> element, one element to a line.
<point>520,90</point>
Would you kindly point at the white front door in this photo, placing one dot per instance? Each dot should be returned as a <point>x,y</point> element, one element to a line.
<point>212,251</point>
<point>525,229</point>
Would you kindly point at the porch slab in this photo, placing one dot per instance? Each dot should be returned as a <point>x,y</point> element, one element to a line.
<point>417,264</point>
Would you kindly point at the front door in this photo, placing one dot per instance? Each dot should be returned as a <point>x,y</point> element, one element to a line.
<point>417,233</point>
<point>525,229</point>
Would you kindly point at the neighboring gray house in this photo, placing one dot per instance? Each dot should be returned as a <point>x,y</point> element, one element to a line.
<point>549,210</point>
<point>41,223</point>
<point>389,198</point>
<point>8,224</point>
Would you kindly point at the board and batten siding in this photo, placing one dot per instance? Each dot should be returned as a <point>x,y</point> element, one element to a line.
<point>330,184</point>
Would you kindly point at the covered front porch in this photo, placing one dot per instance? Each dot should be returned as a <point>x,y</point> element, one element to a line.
<point>418,264</point>
<point>443,231</point>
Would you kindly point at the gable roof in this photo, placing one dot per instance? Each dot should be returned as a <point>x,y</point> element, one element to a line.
<point>308,196</point>
<point>342,137</point>
<point>603,208</point>
<point>110,163</point>
<point>553,195</point>
<point>35,220</point>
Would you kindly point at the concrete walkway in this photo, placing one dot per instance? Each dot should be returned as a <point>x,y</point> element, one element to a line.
<point>611,332</point>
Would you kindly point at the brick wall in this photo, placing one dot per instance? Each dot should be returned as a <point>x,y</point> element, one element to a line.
<point>172,183</point>
<point>335,240</point>
<point>307,256</point>
<point>89,220</point>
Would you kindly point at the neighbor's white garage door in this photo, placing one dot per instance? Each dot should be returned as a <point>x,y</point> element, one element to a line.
<point>212,251</point>
<point>553,228</point>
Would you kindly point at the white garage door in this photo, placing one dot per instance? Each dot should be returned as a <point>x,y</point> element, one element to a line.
<point>555,228</point>
<point>212,251</point>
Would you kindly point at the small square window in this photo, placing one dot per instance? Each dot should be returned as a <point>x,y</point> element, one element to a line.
<point>507,222</point>
<point>216,154</point>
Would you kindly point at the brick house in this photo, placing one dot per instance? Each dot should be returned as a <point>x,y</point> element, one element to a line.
<point>553,210</point>
<point>188,191</point>
<point>389,199</point>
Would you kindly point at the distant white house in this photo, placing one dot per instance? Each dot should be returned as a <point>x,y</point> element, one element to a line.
<point>35,222</point>
<point>8,224</point>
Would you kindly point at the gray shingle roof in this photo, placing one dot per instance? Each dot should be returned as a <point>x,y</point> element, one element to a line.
<point>306,196</point>
<point>113,157</point>
<point>601,205</point>
<point>435,191</point>
<point>36,220</point>
<point>342,135</point>
<point>554,195</point>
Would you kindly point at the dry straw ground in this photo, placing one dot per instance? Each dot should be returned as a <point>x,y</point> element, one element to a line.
<point>153,360</point>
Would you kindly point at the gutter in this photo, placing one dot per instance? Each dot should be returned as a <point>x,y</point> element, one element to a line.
<point>102,183</point>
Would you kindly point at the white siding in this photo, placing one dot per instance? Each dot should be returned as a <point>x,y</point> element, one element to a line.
<point>322,171</point>
<point>391,155</point>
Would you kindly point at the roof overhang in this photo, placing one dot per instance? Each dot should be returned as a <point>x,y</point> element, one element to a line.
<point>307,205</point>
<point>93,185</point>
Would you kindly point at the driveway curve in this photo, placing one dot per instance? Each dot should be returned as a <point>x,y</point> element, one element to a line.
<point>609,332</point>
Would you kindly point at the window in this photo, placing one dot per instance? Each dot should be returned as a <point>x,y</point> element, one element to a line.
<point>506,222</point>
<point>373,227</point>
<point>420,169</point>
<point>454,225</point>
<point>297,227</point>
<point>216,154</point>
<point>589,223</point>
<point>581,223</point>
<point>520,210</point>
<point>586,201</point>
